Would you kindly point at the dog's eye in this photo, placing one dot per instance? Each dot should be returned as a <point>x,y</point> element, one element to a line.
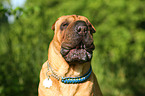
<point>63,25</point>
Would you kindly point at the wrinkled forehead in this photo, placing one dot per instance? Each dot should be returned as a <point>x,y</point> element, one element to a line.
<point>71,18</point>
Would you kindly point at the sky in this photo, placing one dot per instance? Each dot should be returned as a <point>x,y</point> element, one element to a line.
<point>17,3</point>
<point>13,4</point>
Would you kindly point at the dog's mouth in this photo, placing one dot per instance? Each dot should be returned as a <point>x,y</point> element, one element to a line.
<point>80,53</point>
<point>77,45</point>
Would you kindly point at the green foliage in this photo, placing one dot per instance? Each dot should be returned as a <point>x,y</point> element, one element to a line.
<point>119,57</point>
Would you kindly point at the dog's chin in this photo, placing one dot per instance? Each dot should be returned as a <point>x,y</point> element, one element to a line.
<point>76,55</point>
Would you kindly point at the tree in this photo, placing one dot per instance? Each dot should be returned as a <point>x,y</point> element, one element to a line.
<point>118,59</point>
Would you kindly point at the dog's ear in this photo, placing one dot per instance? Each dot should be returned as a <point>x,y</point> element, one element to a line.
<point>92,28</point>
<point>53,26</point>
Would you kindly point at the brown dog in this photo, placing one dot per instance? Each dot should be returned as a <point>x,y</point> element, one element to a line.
<point>67,72</point>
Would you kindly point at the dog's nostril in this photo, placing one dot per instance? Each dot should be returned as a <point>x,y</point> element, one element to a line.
<point>82,29</point>
<point>79,29</point>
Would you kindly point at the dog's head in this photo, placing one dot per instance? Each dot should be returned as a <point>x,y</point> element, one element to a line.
<point>75,37</point>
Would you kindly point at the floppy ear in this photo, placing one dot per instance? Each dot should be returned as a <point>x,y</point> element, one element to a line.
<point>93,28</point>
<point>53,26</point>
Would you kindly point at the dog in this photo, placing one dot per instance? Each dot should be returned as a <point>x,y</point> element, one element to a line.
<point>67,72</point>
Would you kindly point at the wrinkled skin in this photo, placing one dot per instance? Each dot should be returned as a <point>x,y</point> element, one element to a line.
<point>69,55</point>
<point>77,44</point>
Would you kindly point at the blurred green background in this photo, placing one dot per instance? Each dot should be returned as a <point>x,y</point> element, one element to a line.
<point>119,57</point>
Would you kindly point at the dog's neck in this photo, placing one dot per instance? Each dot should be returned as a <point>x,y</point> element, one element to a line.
<point>62,68</point>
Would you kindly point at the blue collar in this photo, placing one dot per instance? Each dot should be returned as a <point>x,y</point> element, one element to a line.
<point>71,80</point>
<point>81,79</point>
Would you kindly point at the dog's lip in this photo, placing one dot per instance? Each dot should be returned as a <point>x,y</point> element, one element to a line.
<point>81,47</point>
<point>64,51</point>
<point>81,55</point>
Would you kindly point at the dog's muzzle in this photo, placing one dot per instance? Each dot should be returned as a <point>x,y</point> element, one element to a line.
<point>77,45</point>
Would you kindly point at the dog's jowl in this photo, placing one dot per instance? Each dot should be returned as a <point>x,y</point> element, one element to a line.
<point>68,71</point>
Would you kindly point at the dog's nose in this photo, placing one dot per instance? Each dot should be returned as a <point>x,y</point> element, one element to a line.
<point>81,27</point>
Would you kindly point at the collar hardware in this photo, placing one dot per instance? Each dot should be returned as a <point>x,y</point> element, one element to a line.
<point>69,80</point>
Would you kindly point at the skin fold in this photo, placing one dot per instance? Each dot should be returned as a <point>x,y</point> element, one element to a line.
<point>69,55</point>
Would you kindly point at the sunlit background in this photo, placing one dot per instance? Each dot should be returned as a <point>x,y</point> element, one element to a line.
<point>119,56</point>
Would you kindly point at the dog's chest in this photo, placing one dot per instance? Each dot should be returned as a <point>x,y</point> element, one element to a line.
<point>75,89</point>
